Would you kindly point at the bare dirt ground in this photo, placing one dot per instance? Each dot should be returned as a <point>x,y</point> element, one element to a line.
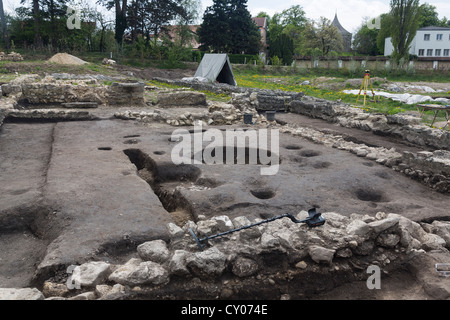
<point>66,186</point>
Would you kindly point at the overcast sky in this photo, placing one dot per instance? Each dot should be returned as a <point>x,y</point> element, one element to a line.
<point>351,13</point>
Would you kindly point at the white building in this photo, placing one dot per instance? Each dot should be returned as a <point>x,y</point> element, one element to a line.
<point>429,42</point>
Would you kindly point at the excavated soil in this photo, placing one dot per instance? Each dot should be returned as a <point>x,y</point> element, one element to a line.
<point>65,58</point>
<point>82,190</point>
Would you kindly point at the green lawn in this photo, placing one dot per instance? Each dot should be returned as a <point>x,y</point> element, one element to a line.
<point>283,78</point>
<point>292,82</point>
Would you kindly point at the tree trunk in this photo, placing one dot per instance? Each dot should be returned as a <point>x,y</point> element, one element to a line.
<point>53,26</point>
<point>121,20</point>
<point>37,36</point>
<point>4,31</point>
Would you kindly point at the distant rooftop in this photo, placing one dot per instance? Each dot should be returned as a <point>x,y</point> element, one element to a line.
<point>338,25</point>
<point>435,28</point>
<point>260,21</point>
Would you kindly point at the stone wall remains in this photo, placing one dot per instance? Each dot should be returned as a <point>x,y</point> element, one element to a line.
<point>268,100</point>
<point>404,126</point>
<point>125,94</point>
<point>56,93</point>
<point>276,260</point>
<point>33,89</point>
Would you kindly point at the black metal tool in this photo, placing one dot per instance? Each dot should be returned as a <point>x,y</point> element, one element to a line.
<point>314,219</point>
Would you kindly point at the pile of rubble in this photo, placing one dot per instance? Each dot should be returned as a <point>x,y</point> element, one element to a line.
<point>254,261</point>
<point>12,56</point>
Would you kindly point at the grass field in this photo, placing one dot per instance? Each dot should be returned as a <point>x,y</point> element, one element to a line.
<point>292,82</point>
<point>283,78</point>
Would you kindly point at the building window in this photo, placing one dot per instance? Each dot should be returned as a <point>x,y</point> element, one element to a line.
<point>426,37</point>
<point>437,52</point>
<point>439,36</point>
<point>446,52</point>
<point>429,52</point>
<point>421,52</point>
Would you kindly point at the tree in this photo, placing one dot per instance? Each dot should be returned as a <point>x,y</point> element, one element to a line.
<point>160,13</point>
<point>148,18</point>
<point>182,32</point>
<point>384,32</point>
<point>294,15</point>
<point>365,41</point>
<point>121,8</point>
<point>429,16</point>
<point>310,36</point>
<point>245,35</point>
<point>22,26</point>
<point>51,12</point>
<point>283,48</point>
<point>274,26</point>
<point>36,22</point>
<point>178,41</point>
<point>3,26</point>
<point>227,27</point>
<point>328,37</point>
<point>54,33</point>
<point>103,25</point>
<point>406,15</point>
<point>213,32</point>
<point>293,22</point>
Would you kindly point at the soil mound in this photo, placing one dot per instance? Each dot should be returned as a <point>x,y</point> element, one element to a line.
<point>65,58</point>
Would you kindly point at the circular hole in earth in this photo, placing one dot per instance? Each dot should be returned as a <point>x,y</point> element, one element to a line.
<point>369,195</point>
<point>159,152</point>
<point>309,153</point>
<point>321,165</point>
<point>175,139</point>
<point>298,159</point>
<point>132,141</point>
<point>104,148</point>
<point>235,155</point>
<point>293,147</point>
<point>263,193</point>
<point>208,182</point>
<point>196,131</point>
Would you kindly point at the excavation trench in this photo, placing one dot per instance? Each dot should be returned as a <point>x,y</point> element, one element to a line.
<point>238,155</point>
<point>163,179</point>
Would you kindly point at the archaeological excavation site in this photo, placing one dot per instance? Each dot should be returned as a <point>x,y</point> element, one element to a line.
<point>108,192</point>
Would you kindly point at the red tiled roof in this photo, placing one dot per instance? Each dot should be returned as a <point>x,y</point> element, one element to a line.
<point>260,22</point>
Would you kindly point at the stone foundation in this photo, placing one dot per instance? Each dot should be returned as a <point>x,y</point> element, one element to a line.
<point>33,90</point>
<point>258,261</point>
<point>404,126</point>
<point>125,94</point>
<point>431,168</point>
<point>53,93</point>
<point>181,98</point>
<point>268,100</point>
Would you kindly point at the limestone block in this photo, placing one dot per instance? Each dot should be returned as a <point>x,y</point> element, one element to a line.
<point>136,272</point>
<point>20,294</point>
<point>155,250</point>
<point>182,98</point>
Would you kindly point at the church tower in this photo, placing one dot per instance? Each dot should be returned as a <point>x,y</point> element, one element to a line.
<point>346,36</point>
